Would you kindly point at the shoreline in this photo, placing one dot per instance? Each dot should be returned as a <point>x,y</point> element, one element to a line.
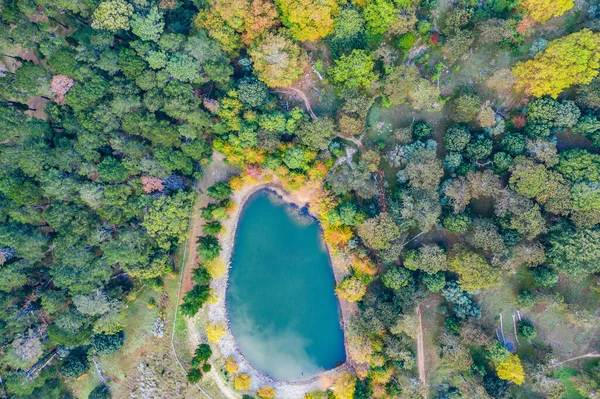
<point>217,312</point>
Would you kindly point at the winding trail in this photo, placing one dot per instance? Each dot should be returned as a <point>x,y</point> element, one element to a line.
<point>310,111</point>
<point>420,348</point>
<point>586,356</point>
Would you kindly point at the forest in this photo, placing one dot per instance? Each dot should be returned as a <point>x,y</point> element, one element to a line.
<point>451,149</point>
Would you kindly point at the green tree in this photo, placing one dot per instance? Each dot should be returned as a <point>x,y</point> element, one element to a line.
<point>457,137</point>
<point>208,247</point>
<point>316,134</point>
<point>526,329</point>
<point>379,232</point>
<point>428,258</point>
<point>112,171</point>
<point>112,15</point>
<point>277,60</point>
<point>252,92</point>
<point>396,277</point>
<point>148,27</point>
<point>465,107</point>
<point>475,272</point>
<point>167,218</point>
<point>574,252</point>
<point>379,15</point>
<point>352,71</point>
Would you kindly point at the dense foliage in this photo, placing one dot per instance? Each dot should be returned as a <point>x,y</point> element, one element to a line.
<point>437,177</point>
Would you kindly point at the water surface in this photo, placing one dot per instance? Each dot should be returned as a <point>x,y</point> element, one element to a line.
<point>280,300</point>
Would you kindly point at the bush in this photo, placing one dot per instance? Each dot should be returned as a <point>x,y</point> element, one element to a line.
<point>525,298</point>
<point>452,324</point>
<point>526,329</point>
<point>434,282</point>
<point>206,367</point>
<point>201,355</point>
<point>457,222</point>
<point>220,191</point>
<point>406,41</point>
<point>479,149</point>
<point>100,392</point>
<point>502,162</point>
<point>193,376</point>
<point>108,343</point>
<point>457,137</point>
<point>495,387</point>
<point>208,247</point>
<point>75,364</point>
<point>252,92</point>
<point>421,130</point>
<point>544,276</point>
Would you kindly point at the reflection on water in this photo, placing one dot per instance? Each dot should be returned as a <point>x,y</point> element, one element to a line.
<point>280,300</point>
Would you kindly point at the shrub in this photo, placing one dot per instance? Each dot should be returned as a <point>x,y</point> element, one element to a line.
<point>525,298</point>
<point>100,392</point>
<point>452,324</point>
<point>434,282</point>
<point>544,276</point>
<point>194,375</point>
<point>457,222</point>
<point>75,364</point>
<point>526,329</point>
<point>421,130</point>
<point>407,41</point>
<point>457,137</point>
<point>108,343</point>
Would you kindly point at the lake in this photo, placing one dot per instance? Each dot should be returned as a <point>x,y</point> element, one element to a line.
<point>281,304</point>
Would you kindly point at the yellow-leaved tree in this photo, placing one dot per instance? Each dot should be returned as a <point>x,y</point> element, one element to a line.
<point>351,289</point>
<point>266,392</point>
<point>231,365</point>
<point>344,385</point>
<point>241,382</point>
<point>511,370</point>
<point>308,20</point>
<point>570,60</point>
<point>543,10</point>
<point>214,332</point>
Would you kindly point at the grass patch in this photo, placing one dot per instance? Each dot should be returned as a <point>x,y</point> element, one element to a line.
<point>565,374</point>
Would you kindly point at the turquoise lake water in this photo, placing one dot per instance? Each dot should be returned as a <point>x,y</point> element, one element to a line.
<point>280,301</point>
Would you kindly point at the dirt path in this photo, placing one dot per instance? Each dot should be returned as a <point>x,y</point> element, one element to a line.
<point>309,109</point>
<point>216,171</point>
<point>420,349</point>
<point>586,356</point>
